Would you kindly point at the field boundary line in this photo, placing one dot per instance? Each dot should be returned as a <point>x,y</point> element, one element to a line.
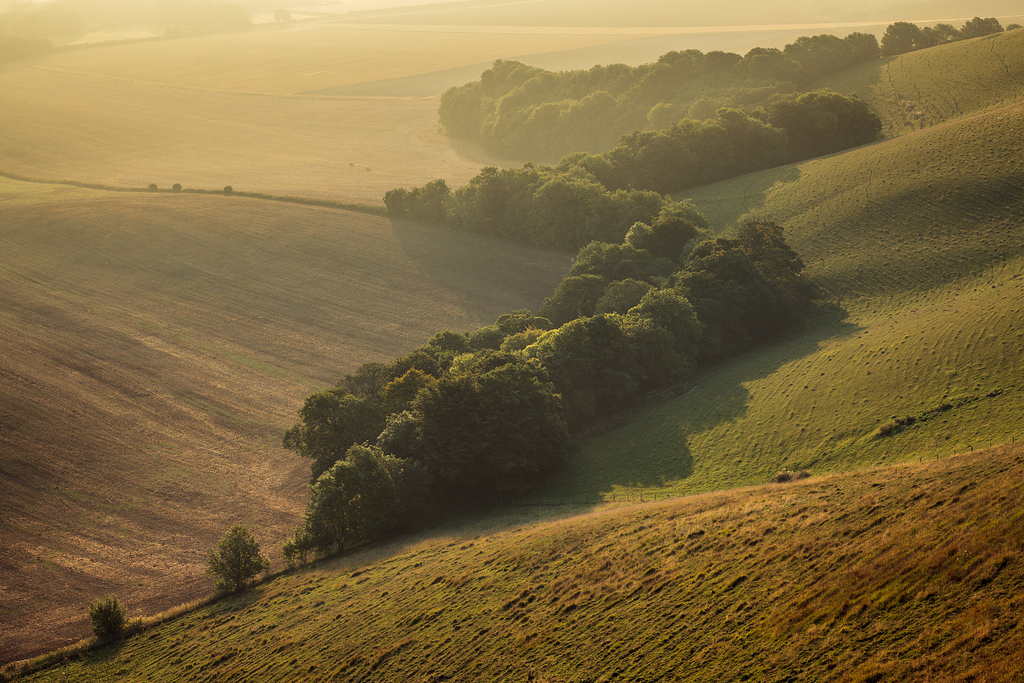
<point>357,207</point>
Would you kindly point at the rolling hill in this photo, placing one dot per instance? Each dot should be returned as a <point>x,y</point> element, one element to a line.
<point>920,238</point>
<point>156,346</point>
<point>901,573</point>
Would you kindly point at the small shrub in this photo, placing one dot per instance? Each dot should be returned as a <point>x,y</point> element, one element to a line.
<point>107,617</point>
<point>894,426</point>
<point>236,561</point>
<point>176,187</point>
<point>228,189</point>
<point>296,549</point>
<point>783,476</point>
<point>153,187</point>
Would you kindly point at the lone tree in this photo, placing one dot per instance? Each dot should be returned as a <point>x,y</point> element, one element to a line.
<point>107,617</point>
<point>236,560</point>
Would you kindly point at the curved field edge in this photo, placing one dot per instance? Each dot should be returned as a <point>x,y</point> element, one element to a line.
<point>156,346</point>
<point>950,359</point>
<point>901,573</point>
<point>921,237</point>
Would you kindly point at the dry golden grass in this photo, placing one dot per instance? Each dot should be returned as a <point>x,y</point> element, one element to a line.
<point>904,574</point>
<point>155,348</point>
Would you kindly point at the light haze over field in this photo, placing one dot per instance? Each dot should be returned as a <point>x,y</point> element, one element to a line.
<point>176,333</point>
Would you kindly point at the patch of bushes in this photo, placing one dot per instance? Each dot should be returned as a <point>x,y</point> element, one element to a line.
<point>108,618</point>
<point>785,476</point>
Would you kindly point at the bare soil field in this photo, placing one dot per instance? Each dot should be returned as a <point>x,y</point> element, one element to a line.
<point>155,348</point>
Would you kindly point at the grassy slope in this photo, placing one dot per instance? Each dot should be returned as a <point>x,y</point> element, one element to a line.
<point>920,236</point>
<point>920,89</point>
<point>788,405</point>
<point>156,347</point>
<point>903,573</point>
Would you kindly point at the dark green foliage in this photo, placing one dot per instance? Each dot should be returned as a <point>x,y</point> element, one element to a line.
<point>432,202</point>
<point>977,27</point>
<point>545,205</point>
<point>690,153</point>
<point>420,359</point>
<point>521,321</point>
<point>364,496</point>
<point>744,290</point>
<point>576,296</point>
<point>517,110</point>
<point>599,197</point>
<point>108,618</point>
<point>823,122</point>
<point>400,392</point>
<point>591,364</point>
<point>618,262</point>
<point>330,422</point>
<point>369,380</point>
<point>489,429</point>
<point>622,295</point>
<point>665,238</point>
<point>236,561</point>
<point>901,36</point>
<point>493,414</point>
<point>671,312</point>
<point>940,34</point>
<point>489,337</point>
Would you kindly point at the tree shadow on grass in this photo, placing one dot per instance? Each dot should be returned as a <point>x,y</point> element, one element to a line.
<point>724,203</point>
<point>487,276</point>
<point>648,447</point>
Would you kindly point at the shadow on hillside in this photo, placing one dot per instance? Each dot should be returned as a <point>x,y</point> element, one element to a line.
<point>485,275</point>
<point>725,202</point>
<point>648,448</point>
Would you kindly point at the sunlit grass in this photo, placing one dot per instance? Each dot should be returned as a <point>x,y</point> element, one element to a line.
<point>908,571</point>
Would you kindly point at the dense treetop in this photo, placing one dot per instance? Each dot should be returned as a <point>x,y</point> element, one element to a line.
<point>470,416</point>
<point>519,110</point>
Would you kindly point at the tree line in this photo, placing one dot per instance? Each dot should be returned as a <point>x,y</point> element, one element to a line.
<point>589,197</point>
<point>469,416</point>
<point>902,36</point>
<point>518,110</point>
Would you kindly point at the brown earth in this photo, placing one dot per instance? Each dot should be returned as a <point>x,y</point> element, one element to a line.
<point>155,347</point>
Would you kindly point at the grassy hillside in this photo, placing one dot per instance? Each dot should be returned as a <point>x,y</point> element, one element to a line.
<point>921,239</point>
<point>156,347</point>
<point>923,88</point>
<point>906,573</point>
